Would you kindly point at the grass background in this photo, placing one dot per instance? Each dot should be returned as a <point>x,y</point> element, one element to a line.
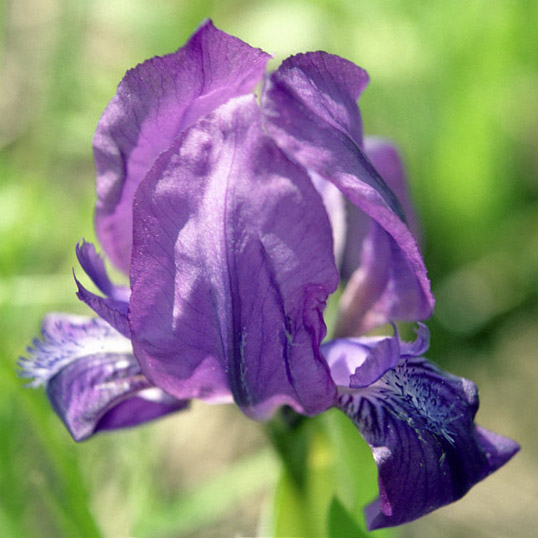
<point>455,84</point>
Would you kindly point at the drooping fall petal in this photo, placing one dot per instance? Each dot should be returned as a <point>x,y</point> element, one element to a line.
<point>419,423</point>
<point>91,377</point>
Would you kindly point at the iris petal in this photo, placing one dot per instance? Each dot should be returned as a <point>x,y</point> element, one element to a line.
<point>310,110</point>
<point>94,267</point>
<point>378,289</point>
<point>385,157</point>
<point>92,379</point>
<point>418,420</point>
<point>154,103</point>
<point>232,264</point>
<point>112,308</point>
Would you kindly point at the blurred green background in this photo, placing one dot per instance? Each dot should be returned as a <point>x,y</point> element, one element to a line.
<point>455,84</point>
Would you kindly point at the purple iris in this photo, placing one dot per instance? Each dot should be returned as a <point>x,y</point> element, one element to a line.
<point>235,219</point>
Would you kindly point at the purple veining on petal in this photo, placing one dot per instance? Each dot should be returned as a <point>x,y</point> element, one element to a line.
<point>418,420</point>
<point>232,265</point>
<point>155,102</point>
<point>65,339</point>
<point>92,379</point>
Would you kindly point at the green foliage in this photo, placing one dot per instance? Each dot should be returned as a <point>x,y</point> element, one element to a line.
<point>340,522</point>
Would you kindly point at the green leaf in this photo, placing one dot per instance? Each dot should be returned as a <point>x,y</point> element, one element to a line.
<point>340,523</point>
<point>289,516</point>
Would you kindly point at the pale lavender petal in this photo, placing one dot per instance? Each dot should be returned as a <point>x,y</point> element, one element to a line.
<point>232,264</point>
<point>359,306</point>
<point>381,357</point>
<point>154,103</point>
<point>418,420</point>
<point>359,362</point>
<point>91,377</point>
<point>419,346</point>
<point>310,110</point>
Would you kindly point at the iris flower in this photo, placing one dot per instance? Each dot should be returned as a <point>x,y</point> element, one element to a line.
<point>235,219</point>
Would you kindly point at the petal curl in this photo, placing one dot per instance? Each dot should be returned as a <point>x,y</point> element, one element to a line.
<point>91,377</point>
<point>232,264</point>
<point>359,362</point>
<point>310,110</point>
<point>155,102</point>
<point>418,421</point>
<point>112,308</point>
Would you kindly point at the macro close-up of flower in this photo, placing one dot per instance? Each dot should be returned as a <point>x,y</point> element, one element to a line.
<point>237,202</point>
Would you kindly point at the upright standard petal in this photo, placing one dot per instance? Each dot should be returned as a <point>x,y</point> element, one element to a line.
<point>385,158</point>
<point>92,379</point>
<point>232,264</point>
<point>154,103</point>
<point>310,110</point>
<point>378,289</point>
<point>418,421</point>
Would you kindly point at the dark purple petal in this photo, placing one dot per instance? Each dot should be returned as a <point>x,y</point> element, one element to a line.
<point>418,420</point>
<point>310,110</point>
<point>232,264</point>
<point>154,103</point>
<point>92,379</point>
<point>112,308</point>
